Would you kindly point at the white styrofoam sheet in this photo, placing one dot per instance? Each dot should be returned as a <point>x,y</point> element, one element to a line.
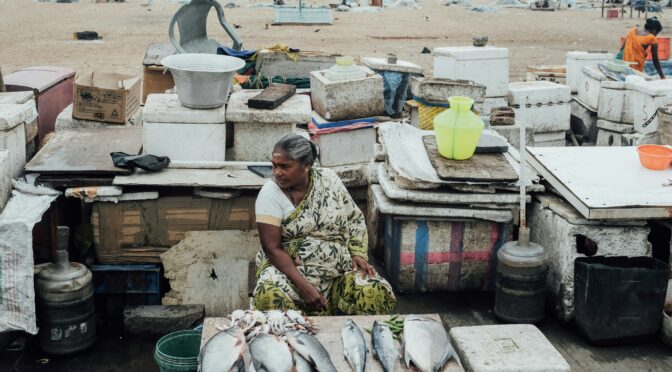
<point>605,182</point>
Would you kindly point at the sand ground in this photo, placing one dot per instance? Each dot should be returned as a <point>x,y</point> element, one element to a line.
<point>41,33</point>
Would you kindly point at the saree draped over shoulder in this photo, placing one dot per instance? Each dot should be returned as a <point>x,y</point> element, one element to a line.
<point>634,49</point>
<point>324,231</point>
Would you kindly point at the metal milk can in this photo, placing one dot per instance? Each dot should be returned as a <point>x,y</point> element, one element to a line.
<point>64,296</point>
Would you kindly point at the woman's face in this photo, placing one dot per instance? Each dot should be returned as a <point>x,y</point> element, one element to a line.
<point>287,172</point>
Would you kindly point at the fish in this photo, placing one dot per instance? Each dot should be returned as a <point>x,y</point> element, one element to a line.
<point>301,364</point>
<point>225,351</point>
<point>271,353</point>
<point>354,346</point>
<point>384,347</point>
<point>421,332</point>
<point>311,349</point>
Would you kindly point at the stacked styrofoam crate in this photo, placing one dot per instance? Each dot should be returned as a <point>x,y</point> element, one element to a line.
<point>615,113</point>
<point>185,135</point>
<point>488,66</point>
<point>543,106</point>
<point>590,87</point>
<point>13,118</point>
<point>647,97</point>
<point>577,60</point>
<point>30,124</point>
<point>255,131</point>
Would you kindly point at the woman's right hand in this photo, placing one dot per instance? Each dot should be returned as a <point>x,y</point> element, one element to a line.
<point>311,296</point>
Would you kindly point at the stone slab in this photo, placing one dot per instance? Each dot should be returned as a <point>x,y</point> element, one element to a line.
<point>218,263</point>
<point>160,319</point>
<point>65,121</point>
<point>166,108</point>
<point>381,64</point>
<point>294,110</point>
<point>349,99</point>
<point>506,348</point>
<point>13,114</point>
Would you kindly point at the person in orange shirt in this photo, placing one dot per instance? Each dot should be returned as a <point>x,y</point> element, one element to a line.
<point>637,41</point>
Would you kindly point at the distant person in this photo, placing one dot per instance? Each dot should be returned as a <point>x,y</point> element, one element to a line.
<point>637,41</point>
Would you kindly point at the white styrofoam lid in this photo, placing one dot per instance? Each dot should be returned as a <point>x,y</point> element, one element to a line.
<point>654,88</point>
<point>589,56</point>
<point>533,92</point>
<point>472,52</point>
<point>593,72</point>
<point>12,115</point>
<point>617,85</point>
<point>16,97</point>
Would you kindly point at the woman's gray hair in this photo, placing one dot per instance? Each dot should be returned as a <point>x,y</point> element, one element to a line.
<point>297,148</point>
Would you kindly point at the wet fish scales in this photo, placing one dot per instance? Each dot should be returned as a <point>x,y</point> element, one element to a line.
<point>271,354</point>
<point>384,347</point>
<point>311,349</point>
<point>420,331</point>
<point>354,346</point>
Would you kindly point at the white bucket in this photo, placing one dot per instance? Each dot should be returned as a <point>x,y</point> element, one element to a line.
<point>203,81</point>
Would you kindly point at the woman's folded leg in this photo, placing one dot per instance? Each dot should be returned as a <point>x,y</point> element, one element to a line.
<point>353,295</point>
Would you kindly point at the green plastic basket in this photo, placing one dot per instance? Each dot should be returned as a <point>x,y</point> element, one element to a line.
<point>178,351</point>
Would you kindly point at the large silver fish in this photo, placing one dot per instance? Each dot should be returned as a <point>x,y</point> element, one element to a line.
<point>312,350</point>
<point>271,353</point>
<point>225,351</point>
<point>426,344</point>
<point>384,347</point>
<point>354,346</point>
<point>301,364</point>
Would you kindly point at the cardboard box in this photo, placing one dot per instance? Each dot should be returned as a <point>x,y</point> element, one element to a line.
<point>107,97</point>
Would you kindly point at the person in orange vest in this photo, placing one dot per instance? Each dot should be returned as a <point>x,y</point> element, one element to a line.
<point>637,41</point>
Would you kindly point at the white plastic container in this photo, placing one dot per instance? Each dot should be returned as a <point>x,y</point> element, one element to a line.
<point>199,143</point>
<point>647,97</point>
<point>487,65</point>
<point>590,87</point>
<point>576,60</point>
<point>615,102</point>
<point>542,105</point>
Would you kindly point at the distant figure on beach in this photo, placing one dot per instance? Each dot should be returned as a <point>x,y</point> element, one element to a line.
<point>637,41</point>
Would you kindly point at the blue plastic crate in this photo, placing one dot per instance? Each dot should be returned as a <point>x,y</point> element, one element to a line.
<point>127,279</point>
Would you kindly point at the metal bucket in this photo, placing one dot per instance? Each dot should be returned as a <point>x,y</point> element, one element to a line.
<point>203,81</point>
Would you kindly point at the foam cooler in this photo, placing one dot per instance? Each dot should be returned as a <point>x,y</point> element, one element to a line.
<point>647,98</point>
<point>542,105</point>
<point>488,66</point>
<point>576,60</point>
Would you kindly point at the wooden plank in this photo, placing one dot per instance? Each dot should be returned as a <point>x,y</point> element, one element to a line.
<point>272,97</point>
<point>86,152</point>
<point>226,177</point>
<point>587,179</point>
<point>480,167</point>
<point>330,337</point>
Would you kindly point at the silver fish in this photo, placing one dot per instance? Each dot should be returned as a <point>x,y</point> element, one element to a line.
<point>311,349</point>
<point>271,353</point>
<point>354,346</point>
<point>384,347</point>
<point>225,351</point>
<point>421,332</point>
<point>301,364</point>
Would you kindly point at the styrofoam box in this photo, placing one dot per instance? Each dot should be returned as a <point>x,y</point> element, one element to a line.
<point>491,102</point>
<point>487,65</point>
<point>185,142</point>
<point>590,87</point>
<point>542,105</point>
<point>576,60</point>
<point>549,136</point>
<point>348,147</point>
<point>615,102</point>
<point>166,108</point>
<point>14,141</point>
<point>5,178</point>
<point>647,97</point>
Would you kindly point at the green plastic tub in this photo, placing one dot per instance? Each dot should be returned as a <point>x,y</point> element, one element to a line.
<point>178,351</point>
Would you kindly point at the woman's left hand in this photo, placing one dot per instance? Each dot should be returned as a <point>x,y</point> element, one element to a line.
<point>360,264</point>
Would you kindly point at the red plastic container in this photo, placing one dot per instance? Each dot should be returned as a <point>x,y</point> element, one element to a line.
<point>612,13</point>
<point>663,49</point>
<point>53,91</point>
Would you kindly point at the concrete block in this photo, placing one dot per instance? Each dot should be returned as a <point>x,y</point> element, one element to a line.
<point>166,108</point>
<point>16,97</point>
<point>583,121</point>
<point>615,102</point>
<point>294,110</point>
<point>5,179</point>
<point>161,320</point>
<point>65,121</point>
<point>347,147</point>
<point>353,175</point>
<point>506,348</point>
<point>541,104</point>
<point>14,141</point>
<point>487,65</point>
<point>253,141</point>
<point>491,102</point>
<point>576,60</point>
<point>272,64</point>
<point>349,99</point>
<point>218,262</point>
<point>512,134</point>
<point>13,114</point>
<point>556,226</point>
<point>185,142</point>
<point>439,90</point>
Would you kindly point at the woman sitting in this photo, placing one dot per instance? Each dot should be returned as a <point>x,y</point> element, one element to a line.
<point>314,241</point>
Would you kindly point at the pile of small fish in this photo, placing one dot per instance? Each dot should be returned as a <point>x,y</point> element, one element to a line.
<point>256,341</point>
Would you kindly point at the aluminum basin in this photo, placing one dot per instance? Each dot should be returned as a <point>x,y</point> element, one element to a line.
<point>203,81</point>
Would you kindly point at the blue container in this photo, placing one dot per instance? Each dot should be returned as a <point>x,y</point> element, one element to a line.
<point>117,279</point>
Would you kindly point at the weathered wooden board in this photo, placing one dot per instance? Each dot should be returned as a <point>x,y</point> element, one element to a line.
<point>330,337</point>
<point>605,182</point>
<point>272,97</point>
<point>480,167</point>
<point>86,151</point>
<point>226,177</point>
